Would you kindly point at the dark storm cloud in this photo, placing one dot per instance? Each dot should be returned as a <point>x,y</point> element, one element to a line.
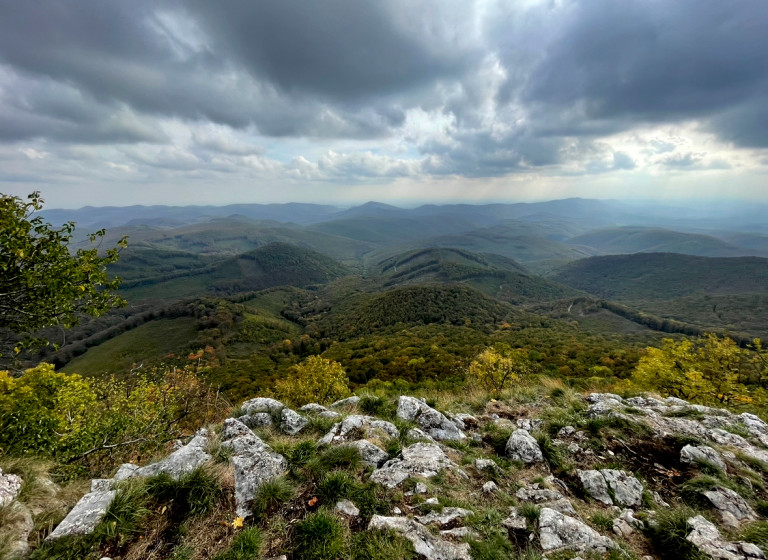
<point>613,64</point>
<point>517,83</point>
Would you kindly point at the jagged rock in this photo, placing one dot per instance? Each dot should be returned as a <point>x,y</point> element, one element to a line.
<point>693,454</point>
<point>181,461</point>
<point>490,487</point>
<point>626,524</point>
<point>445,517</point>
<point>291,422</point>
<point>432,501</point>
<point>420,459</point>
<point>425,543</point>
<point>356,427</point>
<point>522,447</point>
<point>125,471</point>
<point>561,532</point>
<point>86,514</point>
<point>515,521</point>
<point>546,498</point>
<point>255,462</point>
<point>369,453</point>
<point>420,488</point>
<point>417,434</point>
<point>430,420</point>
<point>348,402</point>
<point>627,490</point>
<point>595,486</point>
<point>468,420</point>
<point>706,537</point>
<point>262,404</point>
<point>610,485</point>
<point>257,420</point>
<point>733,509</point>
<point>313,408</point>
<point>486,464</point>
<point>347,508</point>
<point>566,431</point>
<point>10,486</point>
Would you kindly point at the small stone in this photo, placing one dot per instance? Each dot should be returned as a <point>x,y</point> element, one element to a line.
<point>347,508</point>
<point>432,501</point>
<point>397,511</point>
<point>420,488</point>
<point>522,447</point>
<point>486,465</point>
<point>490,487</point>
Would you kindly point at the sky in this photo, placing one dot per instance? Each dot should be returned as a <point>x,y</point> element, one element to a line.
<point>342,101</point>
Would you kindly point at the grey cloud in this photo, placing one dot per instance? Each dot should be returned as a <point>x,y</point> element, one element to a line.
<point>623,161</point>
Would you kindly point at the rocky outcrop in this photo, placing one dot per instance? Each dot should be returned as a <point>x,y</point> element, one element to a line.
<point>254,461</point>
<point>560,532</point>
<point>10,486</point>
<point>262,404</point>
<point>611,486</point>
<point>522,447</point>
<point>86,514</point>
<point>733,509</point>
<point>425,543</point>
<point>291,422</point>
<point>423,460</point>
<point>349,402</point>
<point>706,537</point>
<point>370,454</point>
<point>434,423</point>
<point>182,461</point>
<point>702,454</point>
<point>356,427</point>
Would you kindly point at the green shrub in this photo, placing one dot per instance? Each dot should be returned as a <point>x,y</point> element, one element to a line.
<point>381,545</point>
<point>271,495</point>
<point>319,536</point>
<point>335,486</point>
<point>194,493</point>
<point>246,546</point>
<point>668,535</point>
<point>342,456</point>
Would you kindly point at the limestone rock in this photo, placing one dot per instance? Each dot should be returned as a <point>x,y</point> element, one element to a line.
<point>444,518</point>
<point>522,447</point>
<point>257,420</point>
<point>181,461</point>
<point>125,471</point>
<point>370,453</point>
<point>425,543</point>
<point>355,427</point>
<point>706,537</point>
<point>262,404</point>
<point>313,408</point>
<point>417,434</point>
<point>430,420</point>
<point>694,454</point>
<point>86,514</point>
<point>291,422</point>
<point>626,524</point>
<point>561,532</point>
<point>347,508</point>
<point>102,484</point>
<point>423,460</point>
<point>486,465</point>
<point>460,533</point>
<point>603,484</point>
<point>10,486</point>
<point>348,402</point>
<point>529,424</point>
<point>733,509</point>
<point>490,487</point>
<point>255,463</point>
<point>546,498</point>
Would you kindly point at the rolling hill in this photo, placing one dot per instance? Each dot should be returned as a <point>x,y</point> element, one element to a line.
<point>624,240</point>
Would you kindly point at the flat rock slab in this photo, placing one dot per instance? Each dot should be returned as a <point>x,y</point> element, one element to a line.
<point>425,543</point>
<point>561,532</point>
<point>706,537</point>
<point>420,460</point>
<point>181,461</point>
<point>733,509</point>
<point>86,514</point>
<point>434,423</point>
<point>702,454</point>
<point>445,518</point>
<point>255,463</point>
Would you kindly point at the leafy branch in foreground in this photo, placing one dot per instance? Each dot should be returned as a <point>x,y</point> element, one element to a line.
<point>42,283</point>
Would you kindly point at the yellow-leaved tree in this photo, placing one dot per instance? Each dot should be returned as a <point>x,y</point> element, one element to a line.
<point>496,368</point>
<point>708,370</point>
<point>314,380</point>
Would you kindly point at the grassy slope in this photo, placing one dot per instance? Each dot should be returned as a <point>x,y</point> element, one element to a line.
<point>149,341</point>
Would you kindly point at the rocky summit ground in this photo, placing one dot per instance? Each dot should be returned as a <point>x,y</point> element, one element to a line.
<point>538,472</point>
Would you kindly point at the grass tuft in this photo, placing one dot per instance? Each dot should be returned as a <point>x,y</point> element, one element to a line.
<point>271,495</point>
<point>245,546</point>
<point>381,545</point>
<point>193,494</point>
<point>341,457</point>
<point>668,535</point>
<point>319,536</point>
